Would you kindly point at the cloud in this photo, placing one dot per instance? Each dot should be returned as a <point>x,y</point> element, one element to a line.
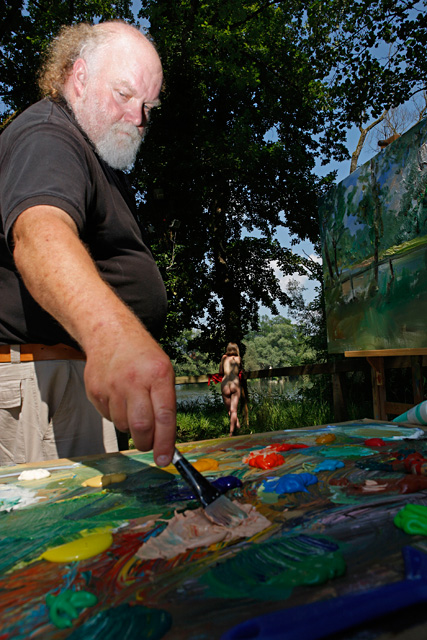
<point>302,280</point>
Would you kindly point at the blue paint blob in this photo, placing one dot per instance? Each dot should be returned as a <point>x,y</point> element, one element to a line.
<point>223,485</point>
<point>329,465</point>
<point>289,483</point>
<point>226,483</point>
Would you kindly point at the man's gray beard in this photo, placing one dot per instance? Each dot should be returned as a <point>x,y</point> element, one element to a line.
<point>118,149</point>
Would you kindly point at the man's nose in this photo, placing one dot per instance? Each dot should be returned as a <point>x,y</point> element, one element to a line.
<point>137,115</point>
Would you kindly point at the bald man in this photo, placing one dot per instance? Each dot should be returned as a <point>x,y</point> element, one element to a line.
<point>83,302</point>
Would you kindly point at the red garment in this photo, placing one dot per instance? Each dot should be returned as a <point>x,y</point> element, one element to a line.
<point>217,377</point>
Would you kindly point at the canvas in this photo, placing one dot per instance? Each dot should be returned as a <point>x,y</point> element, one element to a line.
<point>374,245</point>
<point>75,559</point>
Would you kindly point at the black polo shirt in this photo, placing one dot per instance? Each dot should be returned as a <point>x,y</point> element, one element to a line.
<point>45,159</point>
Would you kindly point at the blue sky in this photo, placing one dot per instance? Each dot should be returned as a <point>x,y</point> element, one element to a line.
<point>306,248</point>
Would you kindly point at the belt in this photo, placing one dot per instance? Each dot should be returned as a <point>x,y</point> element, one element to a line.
<point>33,352</point>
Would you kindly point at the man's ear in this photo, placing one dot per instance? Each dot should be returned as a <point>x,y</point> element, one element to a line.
<point>80,76</point>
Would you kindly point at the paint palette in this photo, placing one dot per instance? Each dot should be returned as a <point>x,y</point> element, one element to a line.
<point>75,548</point>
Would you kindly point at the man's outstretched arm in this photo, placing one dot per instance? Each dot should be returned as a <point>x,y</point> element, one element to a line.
<point>128,377</point>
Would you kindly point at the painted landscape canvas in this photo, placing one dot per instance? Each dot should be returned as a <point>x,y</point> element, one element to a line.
<point>374,244</point>
<point>112,547</point>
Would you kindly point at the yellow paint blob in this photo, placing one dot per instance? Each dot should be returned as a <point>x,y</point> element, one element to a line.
<point>105,480</point>
<point>206,464</point>
<point>80,549</point>
<point>326,438</point>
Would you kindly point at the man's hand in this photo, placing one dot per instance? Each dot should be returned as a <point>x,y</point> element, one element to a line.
<point>128,377</point>
<point>133,385</point>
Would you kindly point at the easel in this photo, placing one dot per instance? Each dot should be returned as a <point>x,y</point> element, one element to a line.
<point>383,359</point>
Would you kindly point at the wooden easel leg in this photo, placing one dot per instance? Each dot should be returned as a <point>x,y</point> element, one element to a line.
<point>417,379</point>
<point>340,408</point>
<point>378,387</point>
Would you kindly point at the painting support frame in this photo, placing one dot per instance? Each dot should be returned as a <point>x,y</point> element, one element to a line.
<point>381,360</point>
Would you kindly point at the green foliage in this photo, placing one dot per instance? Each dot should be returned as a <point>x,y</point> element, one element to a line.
<point>229,156</point>
<point>27,28</point>
<point>189,361</point>
<point>278,343</point>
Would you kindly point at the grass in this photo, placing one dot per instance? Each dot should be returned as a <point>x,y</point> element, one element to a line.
<point>270,409</point>
<point>203,420</point>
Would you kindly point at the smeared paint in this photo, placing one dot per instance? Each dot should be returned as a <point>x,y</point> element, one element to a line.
<point>80,549</point>
<point>415,463</point>
<point>412,519</point>
<point>34,474</point>
<point>271,570</point>
<point>329,465</point>
<point>63,608</point>
<point>13,497</point>
<point>386,432</point>
<point>125,621</point>
<point>285,447</point>
<point>192,529</point>
<point>408,484</point>
<point>326,438</point>
<point>134,509</point>
<point>349,451</point>
<point>104,480</point>
<point>375,442</point>
<point>266,460</point>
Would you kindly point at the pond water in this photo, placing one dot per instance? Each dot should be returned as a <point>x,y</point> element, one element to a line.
<point>196,392</point>
<point>201,392</point>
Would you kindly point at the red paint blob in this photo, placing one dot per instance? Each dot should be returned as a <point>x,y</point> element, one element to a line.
<point>266,460</point>
<point>413,462</point>
<point>286,447</point>
<point>375,442</point>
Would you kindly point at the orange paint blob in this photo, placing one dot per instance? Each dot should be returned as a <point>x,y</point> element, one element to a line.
<point>206,464</point>
<point>326,438</point>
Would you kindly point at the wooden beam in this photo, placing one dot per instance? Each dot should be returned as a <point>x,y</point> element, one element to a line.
<point>386,352</point>
<point>397,408</point>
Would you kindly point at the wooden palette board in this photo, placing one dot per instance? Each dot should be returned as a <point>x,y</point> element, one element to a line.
<point>204,592</point>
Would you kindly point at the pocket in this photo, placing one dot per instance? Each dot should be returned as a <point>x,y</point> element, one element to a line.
<point>10,394</point>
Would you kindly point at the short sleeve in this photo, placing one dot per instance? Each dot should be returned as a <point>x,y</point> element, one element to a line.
<point>44,164</point>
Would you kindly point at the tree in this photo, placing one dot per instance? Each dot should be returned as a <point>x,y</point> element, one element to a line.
<point>255,93</point>
<point>278,343</point>
<point>26,30</point>
<point>229,158</point>
<point>376,52</point>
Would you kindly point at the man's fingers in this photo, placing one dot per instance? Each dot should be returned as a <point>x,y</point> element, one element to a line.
<point>140,419</point>
<point>164,408</point>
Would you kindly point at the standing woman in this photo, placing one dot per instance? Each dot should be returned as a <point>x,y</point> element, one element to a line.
<point>230,367</point>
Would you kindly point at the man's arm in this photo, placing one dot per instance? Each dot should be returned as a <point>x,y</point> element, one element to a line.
<point>128,377</point>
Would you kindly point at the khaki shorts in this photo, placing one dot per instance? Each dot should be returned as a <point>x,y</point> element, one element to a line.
<point>45,414</point>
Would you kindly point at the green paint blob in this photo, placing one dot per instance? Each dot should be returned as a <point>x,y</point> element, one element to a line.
<point>412,519</point>
<point>270,571</point>
<point>63,608</point>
